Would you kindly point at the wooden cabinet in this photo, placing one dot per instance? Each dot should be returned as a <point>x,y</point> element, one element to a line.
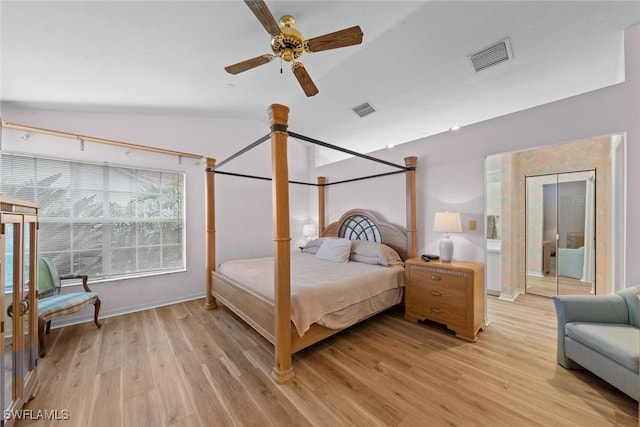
<point>575,240</point>
<point>451,293</point>
<point>18,304</point>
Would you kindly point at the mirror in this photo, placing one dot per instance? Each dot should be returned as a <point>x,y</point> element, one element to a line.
<point>560,233</point>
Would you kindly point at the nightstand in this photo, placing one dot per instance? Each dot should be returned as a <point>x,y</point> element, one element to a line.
<point>451,293</point>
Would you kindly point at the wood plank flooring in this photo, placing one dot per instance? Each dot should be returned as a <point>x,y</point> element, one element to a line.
<point>182,365</point>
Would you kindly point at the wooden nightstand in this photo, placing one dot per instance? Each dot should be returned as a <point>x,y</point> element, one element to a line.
<point>451,293</point>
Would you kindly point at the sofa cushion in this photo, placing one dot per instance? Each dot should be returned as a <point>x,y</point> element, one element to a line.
<point>630,297</point>
<point>619,343</point>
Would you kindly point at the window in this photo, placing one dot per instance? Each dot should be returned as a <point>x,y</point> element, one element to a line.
<point>101,220</point>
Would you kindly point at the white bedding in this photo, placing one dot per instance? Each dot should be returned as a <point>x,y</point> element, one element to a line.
<point>318,287</point>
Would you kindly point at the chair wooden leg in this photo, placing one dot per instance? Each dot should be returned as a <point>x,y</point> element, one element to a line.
<point>41,327</point>
<point>96,306</point>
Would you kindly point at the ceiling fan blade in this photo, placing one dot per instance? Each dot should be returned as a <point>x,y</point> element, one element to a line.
<point>264,15</point>
<point>304,79</point>
<point>342,38</point>
<point>248,64</point>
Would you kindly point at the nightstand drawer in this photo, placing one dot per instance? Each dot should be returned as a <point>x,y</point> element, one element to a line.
<point>441,295</point>
<point>438,312</point>
<point>438,277</point>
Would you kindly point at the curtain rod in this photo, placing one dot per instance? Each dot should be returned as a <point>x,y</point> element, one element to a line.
<point>99,140</point>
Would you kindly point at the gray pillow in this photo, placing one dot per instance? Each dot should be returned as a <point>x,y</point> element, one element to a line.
<point>374,253</point>
<point>312,246</point>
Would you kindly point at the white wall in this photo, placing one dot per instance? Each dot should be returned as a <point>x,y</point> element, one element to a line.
<point>243,209</point>
<point>451,164</point>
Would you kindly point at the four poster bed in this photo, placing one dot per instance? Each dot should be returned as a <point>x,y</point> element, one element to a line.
<point>297,299</point>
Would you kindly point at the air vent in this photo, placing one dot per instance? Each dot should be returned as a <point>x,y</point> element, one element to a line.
<point>493,55</point>
<point>364,109</point>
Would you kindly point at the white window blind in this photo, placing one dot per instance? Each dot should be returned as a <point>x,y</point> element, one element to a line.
<point>101,220</point>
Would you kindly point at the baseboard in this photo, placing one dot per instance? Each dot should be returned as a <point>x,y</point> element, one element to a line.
<point>113,313</point>
<point>510,298</point>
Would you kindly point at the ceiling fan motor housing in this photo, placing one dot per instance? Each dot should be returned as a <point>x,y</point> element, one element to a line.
<point>288,45</point>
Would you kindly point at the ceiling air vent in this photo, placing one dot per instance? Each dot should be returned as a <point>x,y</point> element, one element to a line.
<point>364,109</point>
<point>491,55</point>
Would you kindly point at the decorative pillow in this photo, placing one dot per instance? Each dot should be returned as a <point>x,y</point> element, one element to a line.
<point>374,253</point>
<point>312,246</point>
<point>335,250</point>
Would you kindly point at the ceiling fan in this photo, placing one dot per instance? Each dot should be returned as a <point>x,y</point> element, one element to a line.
<point>288,44</point>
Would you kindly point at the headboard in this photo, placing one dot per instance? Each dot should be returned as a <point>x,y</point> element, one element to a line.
<point>361,224</point>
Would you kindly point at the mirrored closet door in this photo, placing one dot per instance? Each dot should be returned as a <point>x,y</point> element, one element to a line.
<point>560,233</point>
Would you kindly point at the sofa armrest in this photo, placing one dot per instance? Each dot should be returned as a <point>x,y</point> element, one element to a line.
<point>587,308</point>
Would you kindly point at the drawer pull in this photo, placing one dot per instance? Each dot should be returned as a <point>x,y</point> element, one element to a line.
<point>435,293</point>
<point>436,310</point>
<point>436,278</point>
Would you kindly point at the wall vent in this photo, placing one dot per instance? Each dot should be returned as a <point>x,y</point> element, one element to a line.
<point>364,109</point>
<point>492,55</point>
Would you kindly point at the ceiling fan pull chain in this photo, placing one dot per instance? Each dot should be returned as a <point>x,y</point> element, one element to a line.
<point>281,65</point>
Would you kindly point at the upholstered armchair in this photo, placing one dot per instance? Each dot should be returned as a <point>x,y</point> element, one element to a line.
<point>602,334</point>
<point>53,303</point>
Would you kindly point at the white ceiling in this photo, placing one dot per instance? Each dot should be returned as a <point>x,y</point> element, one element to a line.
<point>167,58</point>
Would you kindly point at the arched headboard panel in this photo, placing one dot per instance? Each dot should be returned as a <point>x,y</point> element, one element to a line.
<point>361,224</point>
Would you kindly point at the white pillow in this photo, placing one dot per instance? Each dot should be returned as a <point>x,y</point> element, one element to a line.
<point>335,250</point>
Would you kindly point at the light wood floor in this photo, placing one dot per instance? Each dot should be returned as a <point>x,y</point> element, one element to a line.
<point>182,365</point>
<point>551,285</point>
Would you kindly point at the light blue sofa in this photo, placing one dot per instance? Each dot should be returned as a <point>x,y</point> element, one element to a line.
<point>602,334</point>
<point>570,262</point>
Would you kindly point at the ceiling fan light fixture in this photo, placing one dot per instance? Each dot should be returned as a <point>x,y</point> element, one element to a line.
<point>288,44</point>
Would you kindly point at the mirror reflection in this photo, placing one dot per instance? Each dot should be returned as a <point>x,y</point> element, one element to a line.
<point>560,232</point>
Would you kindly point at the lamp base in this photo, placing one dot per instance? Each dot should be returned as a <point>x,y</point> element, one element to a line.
<point>446,249</point>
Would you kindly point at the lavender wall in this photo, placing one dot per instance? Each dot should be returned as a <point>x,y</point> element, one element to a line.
<point>243,210</point>
<point>450,175</point>
<point>451,164</point>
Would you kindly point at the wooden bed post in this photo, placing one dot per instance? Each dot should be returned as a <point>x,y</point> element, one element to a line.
<point>210,213</point>
<point>412,244</point>
<point>321,199</point>
<point>279,117</point>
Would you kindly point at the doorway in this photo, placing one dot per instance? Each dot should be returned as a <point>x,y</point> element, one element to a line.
<point>560,233</point>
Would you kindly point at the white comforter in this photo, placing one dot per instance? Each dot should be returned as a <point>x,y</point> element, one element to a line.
<point>318,287</point>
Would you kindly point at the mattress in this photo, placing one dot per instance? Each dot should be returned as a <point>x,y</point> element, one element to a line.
<point>334,295</point>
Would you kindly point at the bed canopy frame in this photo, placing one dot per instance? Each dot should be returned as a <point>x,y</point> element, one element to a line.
<point>285,340</point>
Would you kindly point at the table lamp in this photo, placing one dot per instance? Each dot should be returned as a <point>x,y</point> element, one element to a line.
<point>308,231</point>
<point>447,222</point>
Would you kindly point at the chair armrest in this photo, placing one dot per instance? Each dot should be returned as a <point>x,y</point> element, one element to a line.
<point>84,278</point>
<point>596,309</point>
<point>586,308</point>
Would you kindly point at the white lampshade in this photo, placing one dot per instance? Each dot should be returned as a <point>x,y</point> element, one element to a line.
<point>447,222</point>
<point>308,230</point>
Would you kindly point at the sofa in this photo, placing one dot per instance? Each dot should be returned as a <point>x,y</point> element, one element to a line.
<point>602,334</point>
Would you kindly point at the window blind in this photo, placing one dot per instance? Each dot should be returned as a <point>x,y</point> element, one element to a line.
<point>101,220</point>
